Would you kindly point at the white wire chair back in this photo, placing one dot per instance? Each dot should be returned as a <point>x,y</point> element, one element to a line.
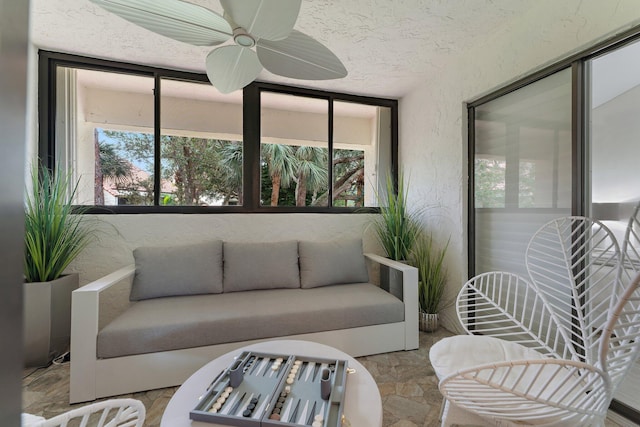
<point>573,263</point>
<point>108,413</point>
<point>505,305</point>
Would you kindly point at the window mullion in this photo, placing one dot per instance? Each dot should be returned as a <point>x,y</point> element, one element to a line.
<point>251,147</point>
<point>330,154</point>
<point>156,141</point>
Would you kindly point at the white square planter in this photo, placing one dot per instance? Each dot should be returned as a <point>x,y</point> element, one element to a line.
<point>47,319</point>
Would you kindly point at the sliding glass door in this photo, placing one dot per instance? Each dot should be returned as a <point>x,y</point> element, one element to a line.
<point>565,141</point>
<point>614,147</point>
<point>522,169</point>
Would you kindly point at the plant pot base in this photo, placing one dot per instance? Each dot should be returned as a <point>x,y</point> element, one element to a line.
<point>47,319</point>
<point>429,322</point>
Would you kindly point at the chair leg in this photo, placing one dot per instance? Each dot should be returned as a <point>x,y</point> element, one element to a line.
<point>444,402</point>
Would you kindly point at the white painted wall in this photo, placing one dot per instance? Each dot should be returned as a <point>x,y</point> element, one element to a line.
<point>433,145</point>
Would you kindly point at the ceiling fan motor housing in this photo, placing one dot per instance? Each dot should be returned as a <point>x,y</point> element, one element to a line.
<point>243,38</point>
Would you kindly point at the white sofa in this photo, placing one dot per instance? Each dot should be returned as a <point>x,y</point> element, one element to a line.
<point>191,304</point>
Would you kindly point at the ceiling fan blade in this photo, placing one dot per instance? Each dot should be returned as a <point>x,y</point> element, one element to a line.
<point>232,67</point>
<point>176,19</point>
<point>300,57</point>
<point>264,19</point>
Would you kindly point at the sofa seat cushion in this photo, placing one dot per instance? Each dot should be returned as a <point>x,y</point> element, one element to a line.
<point>193,321</point>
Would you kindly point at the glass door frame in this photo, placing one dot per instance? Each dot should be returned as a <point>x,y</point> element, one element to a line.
<point>580,180</point>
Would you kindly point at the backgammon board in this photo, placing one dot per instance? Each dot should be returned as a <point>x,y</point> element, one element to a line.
<point>275,390</point>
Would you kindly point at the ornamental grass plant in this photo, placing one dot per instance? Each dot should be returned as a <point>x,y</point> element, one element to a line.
<point>432,276</point>
<point>54,233</point>
<point>396,227</point>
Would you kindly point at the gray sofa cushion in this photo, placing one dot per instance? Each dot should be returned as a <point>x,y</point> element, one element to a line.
<point>332,263</point>
<point>177,270</point>
<point>264,265</point>
<point>194,321</point>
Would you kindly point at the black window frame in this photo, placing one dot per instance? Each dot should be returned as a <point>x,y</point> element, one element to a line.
<point>49,61</point>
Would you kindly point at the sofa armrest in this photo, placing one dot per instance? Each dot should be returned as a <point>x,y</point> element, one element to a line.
<point>85,314</point>
<point>401,280</point>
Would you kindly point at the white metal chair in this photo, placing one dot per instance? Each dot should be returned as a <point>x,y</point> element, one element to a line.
<point>551,350</point>
<point>108,413</point>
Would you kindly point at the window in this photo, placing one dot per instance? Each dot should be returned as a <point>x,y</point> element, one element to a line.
<point>307,143</point>
<point>294,150</point>
<point>201,145</point>
<point>522,169</point>
<point>141,139</point>
<point>105,132</point>
<point>362,133</point>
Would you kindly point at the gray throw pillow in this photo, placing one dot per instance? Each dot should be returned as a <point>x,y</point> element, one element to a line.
<point>332,263</point>
<point>263,265</point>
<point>164,271</point>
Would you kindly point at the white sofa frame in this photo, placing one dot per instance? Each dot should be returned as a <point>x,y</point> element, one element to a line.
<point>93,378</point>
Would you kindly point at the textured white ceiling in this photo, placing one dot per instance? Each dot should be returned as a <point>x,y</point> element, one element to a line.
<point>388,47</point>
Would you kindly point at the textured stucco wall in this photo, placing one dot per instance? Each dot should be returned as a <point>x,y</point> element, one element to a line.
<point>433,147</point>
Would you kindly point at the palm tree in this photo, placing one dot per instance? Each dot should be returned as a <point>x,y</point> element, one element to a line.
<point>280,160</point>
<point>109,164</point>
<point>231,163</point>
<point>311,172</point>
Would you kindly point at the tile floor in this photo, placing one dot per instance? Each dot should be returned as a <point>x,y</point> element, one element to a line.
<point>407,383</point>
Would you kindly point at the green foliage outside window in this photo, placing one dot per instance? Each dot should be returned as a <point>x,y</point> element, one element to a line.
<point>198,171</point>
<point>492,184</point>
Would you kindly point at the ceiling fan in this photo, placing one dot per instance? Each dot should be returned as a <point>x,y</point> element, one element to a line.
<point>266,25</point>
